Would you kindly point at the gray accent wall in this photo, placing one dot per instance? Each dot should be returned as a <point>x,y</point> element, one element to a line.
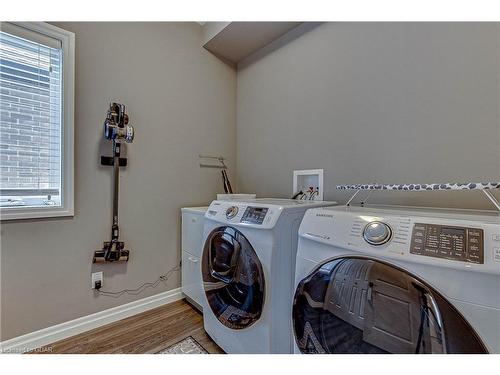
<point>373,102</point>
<point>367,102</point>
<point>181,100</point>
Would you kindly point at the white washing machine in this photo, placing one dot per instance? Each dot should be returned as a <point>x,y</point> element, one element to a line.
<point>247,266</point>
<point>388,280</point>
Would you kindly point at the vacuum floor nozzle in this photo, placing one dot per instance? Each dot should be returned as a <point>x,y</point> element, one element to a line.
<point>111,252</point>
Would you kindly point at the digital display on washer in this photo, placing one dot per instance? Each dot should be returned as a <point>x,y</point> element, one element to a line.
<point>254,215</point>
<point>454,243</point>
<point>458,232</point>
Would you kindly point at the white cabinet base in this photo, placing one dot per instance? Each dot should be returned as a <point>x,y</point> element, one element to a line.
<point>191,278</point>
<point>192,245</point>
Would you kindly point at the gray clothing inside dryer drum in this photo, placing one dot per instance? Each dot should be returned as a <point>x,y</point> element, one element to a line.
<point>361,305</point>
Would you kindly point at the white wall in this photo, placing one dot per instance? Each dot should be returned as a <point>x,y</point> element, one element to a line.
<point>181,100</point>
<point>373,102</point>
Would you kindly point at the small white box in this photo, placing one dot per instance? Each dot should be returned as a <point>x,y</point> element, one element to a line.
<point>304,179</point>
<point>235,197</point>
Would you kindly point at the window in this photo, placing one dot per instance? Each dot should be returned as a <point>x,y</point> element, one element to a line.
<point>36,121</point>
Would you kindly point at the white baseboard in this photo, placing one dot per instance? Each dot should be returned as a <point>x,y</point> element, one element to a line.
<point>64,330</point>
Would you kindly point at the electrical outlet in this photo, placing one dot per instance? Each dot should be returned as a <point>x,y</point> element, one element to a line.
<point>96,276</point>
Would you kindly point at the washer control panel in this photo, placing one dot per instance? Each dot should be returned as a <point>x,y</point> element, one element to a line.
<point>448,242</point>
<point>254,215</point>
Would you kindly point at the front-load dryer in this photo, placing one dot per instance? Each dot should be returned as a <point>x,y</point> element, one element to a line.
<point>247,267</point>
<point>387,280</point>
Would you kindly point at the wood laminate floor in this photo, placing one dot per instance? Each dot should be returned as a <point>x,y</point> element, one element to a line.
<point>148,332</point>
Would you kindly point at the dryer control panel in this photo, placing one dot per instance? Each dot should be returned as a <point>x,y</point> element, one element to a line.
<point>448,242</point>
<point>461,240</point>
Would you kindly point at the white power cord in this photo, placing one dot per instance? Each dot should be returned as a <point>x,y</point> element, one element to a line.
<point>162,278</point>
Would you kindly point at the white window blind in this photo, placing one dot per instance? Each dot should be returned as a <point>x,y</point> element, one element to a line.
<point>31,128</point>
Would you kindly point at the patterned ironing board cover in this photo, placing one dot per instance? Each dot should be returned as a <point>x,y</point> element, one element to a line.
<point>420,187</point>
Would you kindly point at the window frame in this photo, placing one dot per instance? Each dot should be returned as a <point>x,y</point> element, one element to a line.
<point>66,208</point>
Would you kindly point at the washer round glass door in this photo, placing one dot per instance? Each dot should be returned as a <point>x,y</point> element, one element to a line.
<point>233,278</point>
<point>362,305</point>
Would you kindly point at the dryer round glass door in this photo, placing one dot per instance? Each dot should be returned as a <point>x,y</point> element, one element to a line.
<point>362,305</point>
<point>233,278</point>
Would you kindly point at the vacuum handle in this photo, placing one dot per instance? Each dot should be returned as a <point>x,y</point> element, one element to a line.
<point>116,179</point>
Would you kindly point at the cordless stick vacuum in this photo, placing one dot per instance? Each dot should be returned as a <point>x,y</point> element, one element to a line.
<point>117,130</point>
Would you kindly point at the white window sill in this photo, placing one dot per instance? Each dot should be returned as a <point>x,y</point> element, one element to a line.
<point>23,212</point>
